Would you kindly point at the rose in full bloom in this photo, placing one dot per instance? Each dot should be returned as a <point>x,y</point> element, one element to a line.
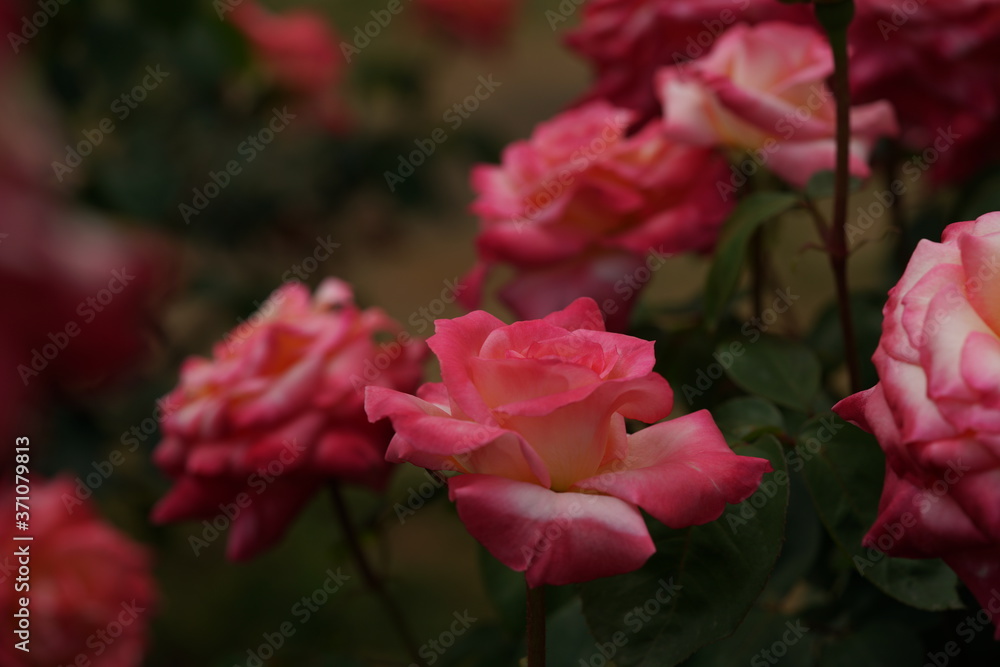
<point>92,592</point>
<point>627,41</point>
<point>484,23</point>
<point>532,415</point>
<point>936,408</point>
<point>762,89</point>
<point>935,61</point>
<point>582,209</point>
<point>299,50</point>
<point>278,412</point>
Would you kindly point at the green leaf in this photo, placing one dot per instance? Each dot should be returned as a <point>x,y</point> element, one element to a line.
<point>707,578</point>
<point>724,275</point>
<point>748,417</point>
<point>786,372</point>
<point>844,467</point>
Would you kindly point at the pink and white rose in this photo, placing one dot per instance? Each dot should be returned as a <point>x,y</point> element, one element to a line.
<point>762,89</point>
<point>627,41</point>
<point>581,207</point>
<point>278,412</point>
<point>936,408</point>
<point>532,415</point>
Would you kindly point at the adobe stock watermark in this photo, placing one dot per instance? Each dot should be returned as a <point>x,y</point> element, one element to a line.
<point>635,620</point>
<point>258,482</point>
<point>363,35</point>
<point>100,641</point>
<point>967,629</point>
<point>579,161</point>
<point>322,251</point>
<point>901,13</point>
<point>698,45</point>
<point>752,329</point>
<point>33,23</point>
<point>121,108</point>
<point>106,467</point>
<point>421,320</point>
<point>786,128</point>
<point>248,149</point>
<point>922,502</point>
<point>794,631</point>
<point>913,169</point>
<point>562,13</point>
<point>956,298</point>
<point>432,650</point>
<point>796,460</point>
<point>455,116</point>
<point>88,310</point>
<point>302,611</point>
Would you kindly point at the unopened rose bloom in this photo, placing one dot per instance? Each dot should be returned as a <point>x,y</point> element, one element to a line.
<point>532,415</point>
<point>762,90</point>
<point>936,408</point>
<point>91,592</point>
<point>582,209</point>
<point>627,41</point>
<point>484,23</point>
<point>300,50</point>
<point>935,61</point>
<point>278,412</point>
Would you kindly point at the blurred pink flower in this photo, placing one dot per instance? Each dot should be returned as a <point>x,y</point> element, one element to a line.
<point>936,408</point>
<point>299,50</point>
<point>278,412</point>
<point>762,89</point>
<point>91,588</point>
<point>581,209</point>
<point>936,62</point>
<point>627,41</point>
<point>484,23</point>
<point>533,416</point>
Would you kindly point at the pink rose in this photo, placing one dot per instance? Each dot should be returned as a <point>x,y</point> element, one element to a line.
<point>279,411</point>
<point>578,207</point>
<point>299,50</point>
<point>485,23</point>
<point>92,590</point>
<point>762,89</point>
<point>627,41</point>
<point>935,61</point>
<point>533,416</point>
<point>936,408</point>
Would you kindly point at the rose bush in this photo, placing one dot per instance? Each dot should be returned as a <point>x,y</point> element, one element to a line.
<point>936,408</point>
<point>762,89</point>
<point>578,207</point>
<point>279,411</point>
<point>533,416</point>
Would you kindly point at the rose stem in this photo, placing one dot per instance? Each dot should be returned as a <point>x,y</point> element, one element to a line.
<point>835,18</point>
<point>536,626</point>
<point>372,580</point>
